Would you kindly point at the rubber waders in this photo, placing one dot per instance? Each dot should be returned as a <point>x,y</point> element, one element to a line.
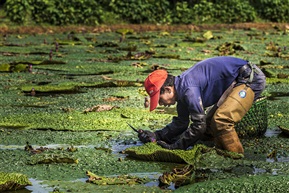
<point>231,111</point>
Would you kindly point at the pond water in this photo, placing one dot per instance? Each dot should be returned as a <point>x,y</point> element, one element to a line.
<point>40,187</point>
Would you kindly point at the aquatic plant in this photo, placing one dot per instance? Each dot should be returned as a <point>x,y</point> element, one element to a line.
<point>117,180</point>
<point>250,184</point>
<point>153,152</point>
<point>179,177</point>
<point>13,181</point>
<point>52,157</point>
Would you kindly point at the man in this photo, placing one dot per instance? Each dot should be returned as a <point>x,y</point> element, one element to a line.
<point>228,85</point>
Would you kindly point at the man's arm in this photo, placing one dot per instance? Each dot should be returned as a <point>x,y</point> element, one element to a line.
<point>196,130</point>
<point>171,131</point>
<point>190,136</point>
<point>178,125</point>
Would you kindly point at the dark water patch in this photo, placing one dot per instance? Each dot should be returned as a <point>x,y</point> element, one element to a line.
<point>53,70</point>
<point>53,93</point>
<point>12,127</point>
<point>21,191</point>
<point>71,130</point>
<point>88,74</point>
<point>37,53</point>
<point>116,83</point>
<point>276,95</point>
<point>43,83</point>
<point>31,106</point>
<point>14,45</point>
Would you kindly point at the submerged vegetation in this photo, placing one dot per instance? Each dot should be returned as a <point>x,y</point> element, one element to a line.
<point>66,99</point>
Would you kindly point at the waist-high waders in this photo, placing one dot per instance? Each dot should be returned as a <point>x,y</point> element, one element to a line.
<point>230,109</point>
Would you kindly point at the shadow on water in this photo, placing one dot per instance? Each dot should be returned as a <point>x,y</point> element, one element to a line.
<point>20,191</point>
<point>275,95</point>
<point>272,133</point>
<point>52,93</point>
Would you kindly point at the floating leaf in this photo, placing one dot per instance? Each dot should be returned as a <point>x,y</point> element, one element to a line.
<point>118,180</point>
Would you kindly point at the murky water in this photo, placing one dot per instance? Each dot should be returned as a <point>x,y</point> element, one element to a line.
<point>40,186</point>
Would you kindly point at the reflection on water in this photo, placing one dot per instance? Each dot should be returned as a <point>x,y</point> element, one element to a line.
<point>272,133</point>
<point>37,187</point>
<point>275,95</point>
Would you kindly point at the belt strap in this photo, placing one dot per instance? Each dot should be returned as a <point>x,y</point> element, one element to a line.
<point>243,68</point>
<point>252,72</point>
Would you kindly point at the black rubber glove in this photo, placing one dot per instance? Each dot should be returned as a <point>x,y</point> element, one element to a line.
<point>165,145</point>
<point>146,136</point>
<point>188,137</point>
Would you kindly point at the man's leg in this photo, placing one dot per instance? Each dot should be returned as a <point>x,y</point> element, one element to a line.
<point>231,111</point>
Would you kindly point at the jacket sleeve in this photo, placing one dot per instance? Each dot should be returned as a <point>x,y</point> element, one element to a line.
<point>178,131</point>
<point>193,99</point>
<point>188,138</point>
<point>179,124</point>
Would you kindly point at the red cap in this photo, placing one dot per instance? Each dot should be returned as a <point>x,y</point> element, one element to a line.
<point>153,84</point>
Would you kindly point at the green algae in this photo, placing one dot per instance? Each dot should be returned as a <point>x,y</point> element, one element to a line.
<point>77,186</point>
<point>13,181</point>
<point>114,120</point>
<point>277,80</point>
<point>261,183</point>
<point>153,152</point>
<point>38,138</point>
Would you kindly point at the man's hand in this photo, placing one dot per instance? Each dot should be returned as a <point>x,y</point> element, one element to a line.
<point>146,136</point>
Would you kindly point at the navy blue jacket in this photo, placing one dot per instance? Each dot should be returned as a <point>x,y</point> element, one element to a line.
<point>203,84</point>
